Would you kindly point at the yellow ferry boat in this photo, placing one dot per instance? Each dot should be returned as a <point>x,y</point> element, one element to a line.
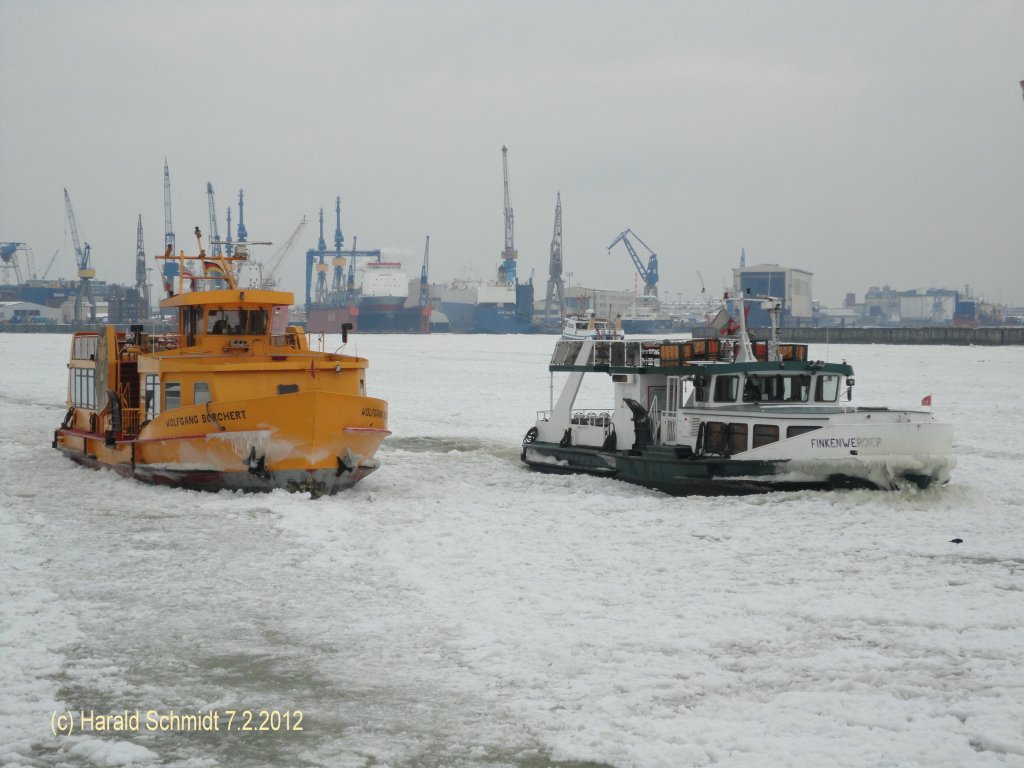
<point>235,399</point>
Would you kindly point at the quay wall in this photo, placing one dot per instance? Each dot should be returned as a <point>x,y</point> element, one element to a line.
<point>939,335</point>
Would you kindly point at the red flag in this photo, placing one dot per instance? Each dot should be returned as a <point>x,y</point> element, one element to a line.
<point>927,400</point>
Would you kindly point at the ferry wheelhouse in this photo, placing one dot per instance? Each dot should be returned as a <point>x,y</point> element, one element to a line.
<point>730,416</point>
<point>235,399</point>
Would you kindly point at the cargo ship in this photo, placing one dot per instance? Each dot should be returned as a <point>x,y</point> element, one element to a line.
<point>358,288</point>
<point>233,399</point>
<point>487,306</point>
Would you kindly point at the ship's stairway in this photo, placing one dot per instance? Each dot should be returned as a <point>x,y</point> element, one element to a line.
<point>128,393</point>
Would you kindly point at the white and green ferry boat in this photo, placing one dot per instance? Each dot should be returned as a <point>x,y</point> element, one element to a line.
<point>730,416</point>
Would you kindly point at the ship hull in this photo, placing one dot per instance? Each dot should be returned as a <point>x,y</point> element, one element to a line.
<point>663,469</point>
<point>316,482</point>
<point>320,442</point>
<point>378,319</point>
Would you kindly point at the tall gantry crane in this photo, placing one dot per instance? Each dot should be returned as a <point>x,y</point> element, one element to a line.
<point>648,273</point>
<point>322,268</point>
<point>507,270</point>
<point>242,234</point>
<point>140,268</point>
<point>338,261</point>
<point>85,272</point>
<point>555,284</point>
<point>424,285</point>
<point>229,246</point>
<point>270,278</point>
<point>215,240</point>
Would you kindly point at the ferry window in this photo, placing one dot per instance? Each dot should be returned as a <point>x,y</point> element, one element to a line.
<point>216,322</point>
<point>799,430</point>
<point>287,389</point>
<point>172,395</point>
<point>152,401</point>
<point>83,387</point>
<point>714,437</point>
<point>726,388</point>
<point>256,322</point>
<point>700,389</point>
<point>737,438</point>
<point>827,389</point>
<point>796,389</point>
<point>200,393</point>
<point>84,347</point>
<point>751,389</point>
<point>765,434</point>
<point>191,322</point>
<point>251,322</point>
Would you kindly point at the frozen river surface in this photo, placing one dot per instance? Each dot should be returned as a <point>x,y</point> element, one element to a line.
<point>456,610</point>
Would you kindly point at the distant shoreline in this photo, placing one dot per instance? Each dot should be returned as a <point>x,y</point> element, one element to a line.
<point>1002,336</point>
<point>996,336</point>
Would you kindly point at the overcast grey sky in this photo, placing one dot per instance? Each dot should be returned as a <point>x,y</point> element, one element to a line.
<point>867,142</point>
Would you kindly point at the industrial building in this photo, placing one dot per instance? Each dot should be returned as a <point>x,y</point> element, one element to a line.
<point>18,312</point>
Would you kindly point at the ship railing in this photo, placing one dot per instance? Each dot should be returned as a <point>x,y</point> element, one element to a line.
<point>583,417</point>
<point>630,354</point>
<point>131,420</point>
<point>161,342</point>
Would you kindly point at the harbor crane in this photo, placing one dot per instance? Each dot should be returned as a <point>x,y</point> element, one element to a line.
<point>141,285</point>
<point>555,284</point>
<point>9,260</point>
<point>270,279</point>
<point>507,270</point>
<point>424,285</point>
<point>214,235</point>
<point>170,268</point>
<point>85,272</point>
<point>648,273</point>
<point>168,228</point>
<point>49,265</point>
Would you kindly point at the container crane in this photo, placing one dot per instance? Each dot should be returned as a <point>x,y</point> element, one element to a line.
<point>648,273</point>
<point>85,272</point>
<point>270,279</point>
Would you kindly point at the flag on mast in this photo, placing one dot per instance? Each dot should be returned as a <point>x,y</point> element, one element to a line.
<point>213,269</point>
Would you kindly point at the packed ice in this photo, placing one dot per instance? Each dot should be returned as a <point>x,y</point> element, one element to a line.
<point>456,609</point>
